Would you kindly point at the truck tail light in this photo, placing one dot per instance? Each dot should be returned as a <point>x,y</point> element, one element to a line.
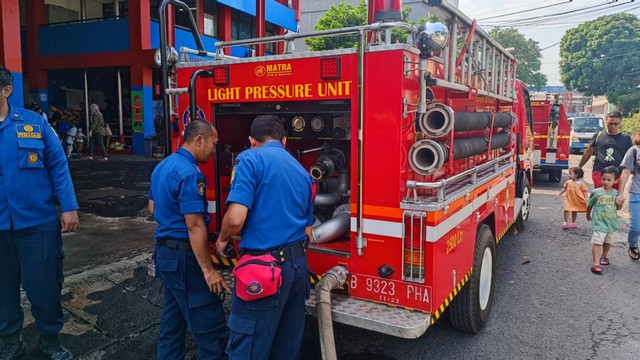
<point>330,68</point>
<point>413,244</point>
<point>221,75</point>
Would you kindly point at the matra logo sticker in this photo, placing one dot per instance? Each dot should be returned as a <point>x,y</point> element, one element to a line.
<point>186,116</point>
<point>280,69</point>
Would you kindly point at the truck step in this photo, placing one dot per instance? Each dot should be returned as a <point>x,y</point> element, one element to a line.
<point>394,321</point>
<point>376,317</point>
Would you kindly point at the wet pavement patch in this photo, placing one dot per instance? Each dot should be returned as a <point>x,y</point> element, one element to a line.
<point>114,205</point>
<point>77,335</point>
<point>115,188</point>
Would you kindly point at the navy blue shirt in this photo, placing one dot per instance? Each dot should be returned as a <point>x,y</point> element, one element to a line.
<point>278,192</point>
<point>33,172</point>
<point>177,188</point>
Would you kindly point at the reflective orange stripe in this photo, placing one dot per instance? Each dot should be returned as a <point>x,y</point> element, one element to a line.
<point>433,217</point>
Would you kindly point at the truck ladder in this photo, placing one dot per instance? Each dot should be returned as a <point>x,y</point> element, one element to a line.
<point>481,66</point>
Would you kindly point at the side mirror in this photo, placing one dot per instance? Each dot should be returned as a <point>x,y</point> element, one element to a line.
<point>432,37</point>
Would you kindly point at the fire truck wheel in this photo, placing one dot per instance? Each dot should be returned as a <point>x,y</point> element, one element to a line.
<point>470,309</point>
<point>555,175</point>
<point>523,215</point>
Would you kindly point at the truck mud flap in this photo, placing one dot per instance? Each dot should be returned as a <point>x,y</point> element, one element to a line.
<point>372,316</point>
<point>517,206</point>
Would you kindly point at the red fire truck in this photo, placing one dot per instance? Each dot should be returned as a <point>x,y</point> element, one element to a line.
<point>422,152</point>
<point>552,135</point>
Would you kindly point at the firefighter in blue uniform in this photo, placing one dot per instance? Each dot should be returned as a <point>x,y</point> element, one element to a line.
<point>271,200</point>
<point>33,175</point>
<point>192,287</point>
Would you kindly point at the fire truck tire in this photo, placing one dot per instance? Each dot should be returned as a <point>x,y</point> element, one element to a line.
<point>470,310</point>
<point>555,175</point>
<point>523,216</point>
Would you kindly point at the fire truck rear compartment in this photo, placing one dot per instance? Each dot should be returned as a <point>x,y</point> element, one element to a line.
<point>319,137</point>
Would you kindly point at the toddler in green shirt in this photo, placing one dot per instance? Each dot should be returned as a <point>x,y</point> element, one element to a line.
<point>602,210</point>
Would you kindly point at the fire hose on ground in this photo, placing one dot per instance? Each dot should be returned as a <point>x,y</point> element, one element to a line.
<point>332,279</point>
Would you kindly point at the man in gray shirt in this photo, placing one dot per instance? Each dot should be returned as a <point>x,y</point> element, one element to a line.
<point>629,165</point>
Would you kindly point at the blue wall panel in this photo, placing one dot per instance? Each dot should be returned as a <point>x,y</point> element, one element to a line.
<point>184,38</point>
<point>275,13</point>
<point>17,96</point>
<point>82,38</point>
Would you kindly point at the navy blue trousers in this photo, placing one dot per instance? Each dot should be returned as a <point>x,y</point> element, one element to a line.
<point>271,327</point>
<point>31,257</point>
<point>188,304</point>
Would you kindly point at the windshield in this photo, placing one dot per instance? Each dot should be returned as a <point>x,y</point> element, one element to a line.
<point>587,124</point>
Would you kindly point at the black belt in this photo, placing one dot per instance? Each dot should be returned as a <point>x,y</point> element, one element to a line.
<point>175,244</point>
<point>282,254</point>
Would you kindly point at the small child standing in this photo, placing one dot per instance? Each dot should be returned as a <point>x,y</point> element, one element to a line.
<point>80,137</point>
<point>575,197</point>
<point>604,206</point>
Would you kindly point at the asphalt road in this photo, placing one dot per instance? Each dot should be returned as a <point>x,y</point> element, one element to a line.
<point>547,304</point>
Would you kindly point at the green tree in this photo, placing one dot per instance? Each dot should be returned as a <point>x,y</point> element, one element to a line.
<point>526,51</point>
<point>602,57</point>
<point>344,15</point>
<point>339,16</point>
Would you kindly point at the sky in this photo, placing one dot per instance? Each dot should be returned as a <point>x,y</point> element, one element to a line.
<point>547,25</point>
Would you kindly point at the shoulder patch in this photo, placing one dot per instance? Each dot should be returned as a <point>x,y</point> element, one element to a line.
<point>202,187</point>
<point>28,131</point>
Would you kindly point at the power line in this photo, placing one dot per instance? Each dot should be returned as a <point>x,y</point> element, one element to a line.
<point>598,12</point>
<point>544,22</point>
<point>522,11</point>
<point>550,46</point>
<point>509,8</point>
<point>563,14</point>
<point>547,16</point>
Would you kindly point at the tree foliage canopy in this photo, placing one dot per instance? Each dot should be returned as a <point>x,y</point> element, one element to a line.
<point>602,57</point>
<point>344,15</point>
<point>526,51</point>
<point>339,16</point>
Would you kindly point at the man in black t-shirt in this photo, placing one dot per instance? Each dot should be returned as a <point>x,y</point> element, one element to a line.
<point>610,145</point>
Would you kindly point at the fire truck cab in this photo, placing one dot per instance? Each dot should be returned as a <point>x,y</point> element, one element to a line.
<point>422,154</point>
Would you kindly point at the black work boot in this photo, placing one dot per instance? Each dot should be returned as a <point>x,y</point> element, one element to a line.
<point>51,346</point>
<point>12,347</point>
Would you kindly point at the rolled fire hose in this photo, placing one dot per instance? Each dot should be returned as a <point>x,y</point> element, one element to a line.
<point>428,156</point>
<point>440,119</point>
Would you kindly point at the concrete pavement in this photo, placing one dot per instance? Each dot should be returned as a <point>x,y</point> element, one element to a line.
<point>111,305</point>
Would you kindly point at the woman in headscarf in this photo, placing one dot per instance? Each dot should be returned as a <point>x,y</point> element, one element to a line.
<point>96,132</point>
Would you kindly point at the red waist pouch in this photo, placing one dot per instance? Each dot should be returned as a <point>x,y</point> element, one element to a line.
<point>257,277</point>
